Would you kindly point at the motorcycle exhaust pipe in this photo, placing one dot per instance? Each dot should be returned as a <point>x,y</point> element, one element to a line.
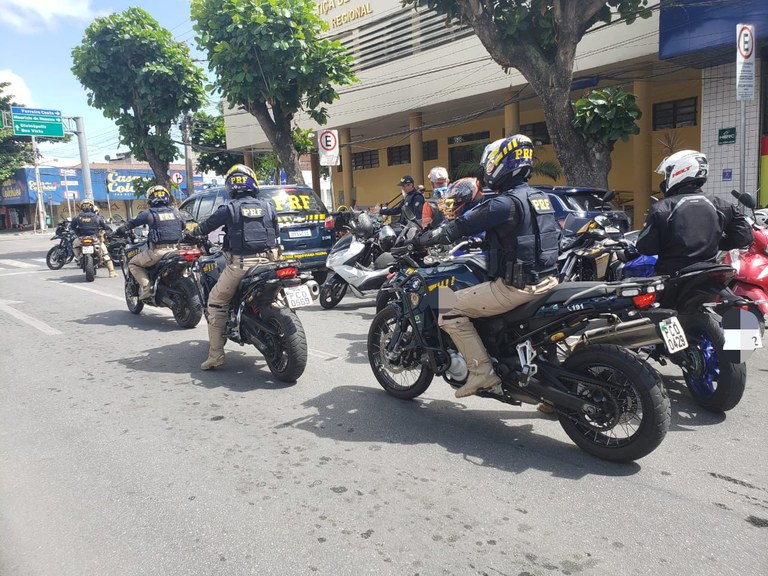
<point>314,287</point>
<point>632,334</point>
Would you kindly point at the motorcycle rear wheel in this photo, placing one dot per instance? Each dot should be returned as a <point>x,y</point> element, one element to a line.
<point>135,306</point>
<point>332,291</point>
<point>400,373</point>
<point>635,413</point>
<point>288,357</point>
<point>55,258</point>
<point>90,268</point>
<point>187,309</point>
<point>716,385</point>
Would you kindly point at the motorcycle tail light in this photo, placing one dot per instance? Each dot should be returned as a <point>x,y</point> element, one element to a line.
<point>190,255</point>
<point>644,300</point>
<point>289,272</point>
<point>87,240</point>
<point>329,222</point>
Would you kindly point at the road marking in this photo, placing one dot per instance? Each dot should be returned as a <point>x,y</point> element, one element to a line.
<point>3,275</point>
<point>5,306</point>
<point>163,311</point>
<point>17,263</point>
<point>323,355</point>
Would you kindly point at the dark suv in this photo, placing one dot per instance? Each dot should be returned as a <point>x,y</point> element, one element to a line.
<point>306,227</point>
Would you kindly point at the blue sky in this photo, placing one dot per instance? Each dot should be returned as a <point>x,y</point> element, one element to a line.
<point>38,37</point>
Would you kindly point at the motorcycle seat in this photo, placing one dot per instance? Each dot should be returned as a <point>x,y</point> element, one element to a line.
<point>557,295</point>
<point>700,266</point>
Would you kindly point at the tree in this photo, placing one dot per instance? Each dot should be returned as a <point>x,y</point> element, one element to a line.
<point>139,76</point>
<point>14,151</point>
<point>209,140</point>
<point>539,38</point>
<point>269,60</point>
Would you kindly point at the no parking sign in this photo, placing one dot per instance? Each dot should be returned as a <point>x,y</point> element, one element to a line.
<point>328,147</point>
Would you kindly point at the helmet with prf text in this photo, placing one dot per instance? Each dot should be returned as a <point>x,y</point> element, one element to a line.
<point>241,181</point>
<point>507,162</point>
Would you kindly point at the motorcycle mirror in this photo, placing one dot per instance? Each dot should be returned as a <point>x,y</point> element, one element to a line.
<point>744,198</point>
<point>608,196</point>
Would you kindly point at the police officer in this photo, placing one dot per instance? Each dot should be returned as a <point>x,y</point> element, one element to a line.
<point>689,226</point>
<point>522,236</point>
<point>89,223</point>
<point>251,238</point>
<point>412,198</point>
<point>165,225</point>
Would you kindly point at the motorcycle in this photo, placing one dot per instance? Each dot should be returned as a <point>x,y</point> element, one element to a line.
<point>609,402</point>
<point>359,261</point>
<point>63,252</point>
<point>91,257</point>
<point>263,311</point>
<point>699,293</point>
<point>173,282</point>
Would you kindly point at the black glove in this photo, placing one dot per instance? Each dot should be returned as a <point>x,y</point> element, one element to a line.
<point>428,238</point>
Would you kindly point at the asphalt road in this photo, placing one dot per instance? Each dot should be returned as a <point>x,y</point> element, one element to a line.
<point>119,456</point>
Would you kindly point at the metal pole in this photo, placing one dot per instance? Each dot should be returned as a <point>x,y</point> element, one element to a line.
<point>743,155</point>
<point>84,164</point>
<point>66,192</point>
<point>187,126</point>
<point>40,202</point>
<point>50,208</point>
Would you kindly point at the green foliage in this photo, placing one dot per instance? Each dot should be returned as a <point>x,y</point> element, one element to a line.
<point>139,76</point>
<point>606,115</point>
<point>303,140</point>
<point>210,142</point>
<point>265,166</point>
<point>14,151</point>
<point>471,168</point>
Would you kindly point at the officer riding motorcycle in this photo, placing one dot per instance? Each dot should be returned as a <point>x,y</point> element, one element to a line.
<point>522,235</point>
<point>89,223</point>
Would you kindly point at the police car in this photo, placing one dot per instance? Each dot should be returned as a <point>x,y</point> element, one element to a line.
<point>306,226</point>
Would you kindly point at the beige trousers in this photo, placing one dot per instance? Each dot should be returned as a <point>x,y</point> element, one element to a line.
<point>77,250</point>
<point>145,259</point>
<point>226,286</point>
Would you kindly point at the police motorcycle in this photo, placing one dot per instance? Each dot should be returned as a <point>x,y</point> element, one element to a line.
<point>263,310</point>
<point>62,253</point>
<point>699,294</point>
<point>359,260</point>
<point>173,281</point>
<point>91,257</point>
<point>610,403</point>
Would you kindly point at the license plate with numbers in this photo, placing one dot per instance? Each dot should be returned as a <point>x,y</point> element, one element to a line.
<point>87,249</point>
<point>298,296</point>
<point>673,335</point>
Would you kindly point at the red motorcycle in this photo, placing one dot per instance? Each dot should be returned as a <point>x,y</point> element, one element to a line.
<point>751,264</point>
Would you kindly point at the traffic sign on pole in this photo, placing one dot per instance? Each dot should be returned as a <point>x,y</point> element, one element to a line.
<point>36,122</point>
<point>328,147</point>
<point>745,62</point>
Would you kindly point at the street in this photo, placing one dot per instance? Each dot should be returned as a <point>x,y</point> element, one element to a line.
<point>120,457</point>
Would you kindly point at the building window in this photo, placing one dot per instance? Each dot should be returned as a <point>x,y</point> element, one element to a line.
<point>399,155</point>
<point>675,114</point>
<point>429,149</point>
<point>537,132</point>
<point>363,160</point>
<point>473,137</point>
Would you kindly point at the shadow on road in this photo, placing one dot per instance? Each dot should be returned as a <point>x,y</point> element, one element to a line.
<point>687,415</point>
<point>495,438</point>
<point>147,320</point>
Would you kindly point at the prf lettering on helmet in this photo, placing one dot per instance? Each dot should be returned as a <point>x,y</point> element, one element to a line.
<point>167,216</point>
<point>238,179</point>
<point>526,153</point>
<point>541,204</point>
<point>251,212</point>
<point>295,202</point>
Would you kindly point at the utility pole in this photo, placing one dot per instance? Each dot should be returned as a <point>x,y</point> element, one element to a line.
<point>186,130</point>
<point>84,164</point>
<point>39,186</point>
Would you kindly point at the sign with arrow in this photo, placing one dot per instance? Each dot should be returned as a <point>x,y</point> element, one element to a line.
<point>36,122</point>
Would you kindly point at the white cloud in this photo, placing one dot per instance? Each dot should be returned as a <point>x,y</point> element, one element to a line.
<point>18,89</point>
<point>28,15</point>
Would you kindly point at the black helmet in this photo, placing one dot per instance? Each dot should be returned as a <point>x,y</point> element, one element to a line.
<point>241,181</point>
<point>461,194</point>
<point>507,162</point>
<point>158,196</point>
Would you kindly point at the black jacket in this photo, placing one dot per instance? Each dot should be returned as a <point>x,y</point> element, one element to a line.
<point>691,227</point>
<point>414,200</point>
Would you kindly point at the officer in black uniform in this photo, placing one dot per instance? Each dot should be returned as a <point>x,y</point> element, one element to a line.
<point>165,226</point>
<point>689,226</point>
<point>251,238</point>
<point>89,223</point>
<point>523,238</point>
<point>412,198</point>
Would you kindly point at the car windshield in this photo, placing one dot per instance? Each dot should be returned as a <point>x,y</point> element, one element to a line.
<point>587,203</point>
<point>294,200</point>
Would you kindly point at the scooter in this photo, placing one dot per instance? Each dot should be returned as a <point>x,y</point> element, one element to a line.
<point>359,261</point>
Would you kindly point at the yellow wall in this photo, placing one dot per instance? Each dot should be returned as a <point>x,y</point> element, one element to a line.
<point>374,186</point>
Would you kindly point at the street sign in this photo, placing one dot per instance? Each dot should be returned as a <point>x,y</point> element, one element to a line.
<point>726,136</point>
<point>745,62</point>
<point>177,178</point>
<point>328,147</point>
<point>36,122</point>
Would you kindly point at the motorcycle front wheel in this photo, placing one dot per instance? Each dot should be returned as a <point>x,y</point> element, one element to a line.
<point>90,268</point>
<point>715,384</point>
<point>55,258</point>
<point>332,291</point>
<point>135,306</point>
<point>634,409</point>
<point>400,371</point>
<point>187,308</point>
<point>287,351</point>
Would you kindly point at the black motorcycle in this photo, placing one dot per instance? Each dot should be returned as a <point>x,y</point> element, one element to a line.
<point>262,312</point>
<point>609,402</point>
<point>173,283</point>
<point>62,253</point>
<point>91,257</point>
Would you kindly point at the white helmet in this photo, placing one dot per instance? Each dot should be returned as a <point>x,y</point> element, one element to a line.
<point>438,173</point>
<point>684,168</point>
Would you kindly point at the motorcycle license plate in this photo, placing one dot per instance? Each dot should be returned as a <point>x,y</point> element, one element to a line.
<point>87,249</point>
<point>306,233</point>
<point>298,296</point>
<point>673,335</point>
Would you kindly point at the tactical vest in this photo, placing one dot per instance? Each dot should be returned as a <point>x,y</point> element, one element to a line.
<point>165,226</point>
<point>251,230</point>
<point>535,242</point>
<point>87,224</point>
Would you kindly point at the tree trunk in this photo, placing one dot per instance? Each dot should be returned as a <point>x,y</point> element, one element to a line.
<point>277,127</point>
<point>159,167</point>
